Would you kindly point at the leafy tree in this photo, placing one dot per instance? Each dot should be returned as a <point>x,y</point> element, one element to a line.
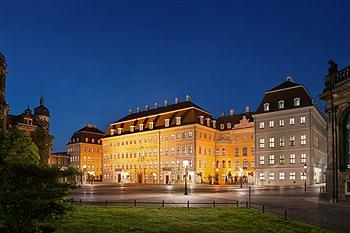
<point>31,193</point>
<point>43,140</point>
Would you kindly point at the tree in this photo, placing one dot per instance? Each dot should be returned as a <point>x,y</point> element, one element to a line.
<point>43,140</point>
<point>31,193</point>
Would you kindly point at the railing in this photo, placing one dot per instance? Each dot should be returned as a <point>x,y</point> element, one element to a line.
<point>339,77</point>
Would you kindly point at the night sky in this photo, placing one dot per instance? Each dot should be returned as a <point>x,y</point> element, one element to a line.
<point>93,60</point>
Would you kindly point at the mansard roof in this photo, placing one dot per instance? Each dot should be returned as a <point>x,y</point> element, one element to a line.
<point>88,132</point>
<point>235,118</point>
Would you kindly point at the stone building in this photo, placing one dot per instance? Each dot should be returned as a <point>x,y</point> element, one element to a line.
<point>59,159</point>
<point>336,93</point>
<point>290,137</point>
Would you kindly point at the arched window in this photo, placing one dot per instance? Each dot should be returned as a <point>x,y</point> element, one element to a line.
<point>217,164</point>
<point>236,151</point>
<point>223,164</point>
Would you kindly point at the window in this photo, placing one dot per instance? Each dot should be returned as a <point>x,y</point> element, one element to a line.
<point>296,102</point>
<point>199,164</point>
<point>132,128</point>
<point>303,176</point>
<point>271,142</point>
<point>280,104</point>
<point>223,164</point>
<point>86,140</point>
<point>167,122</point>
<point>119,130</point>
<point>281,123</point>
<point>223,151</point>
<point>291,121</point>
<point>272,176</point>
<point>271,124</point>
<point>229,125</point>
<point>261,160</point>
<point>236,151</point>
<point>303,139</point>
<point>281,159</point>
<point>272,159</point>
<point>178,136</point>
<point>292,159</point>
<point>178,120</point>
<point>151,125</point>
<point>190,134</point>
<point>266,107</point>
<point>262,143</point>
<point>282,175</point>
<point>292,141</point>
<point>222,126</point>
<point>245,163</point>
<point>245,151</point>
<point>302,120</point>
<point>208,121</point>
<point>141,127</point>
<point>303,158</point>
<point>292,176</point>
<point>252,163</point>
<point>282,142</point>
<point>217,151</point>
<point>262,176</point>
<point>172,151</point>
<point>262,125</point>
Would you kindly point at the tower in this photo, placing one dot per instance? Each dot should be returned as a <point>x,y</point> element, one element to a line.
<point>4,107</point>
<point>42,115</point>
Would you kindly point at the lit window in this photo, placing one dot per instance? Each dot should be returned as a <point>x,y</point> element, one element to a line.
<point>119,130</point>
<point>292,141</point>
<point>261,160</point>
<point>291,121</point>
<point>282,175</point>
<point>151,125</point>
<point>229,125</point>
<point>272,176</point>
<point>271,124</point>
<point>280,104</point>
<point>132,128</point>
<point>217,151</point>
<point>292,159</point>
<point>281,159</point>
<point>272,159</point>
<point>303,176</point>
<point>281,123</point>
<point>296,102</point>
<point>190,134</point>
<point>236,151</point>
<point>167,122</point>
<point>223,151</point>
<point>86,140</point>
<point>222,126</point>
<point>178,120</point>
<point>262,176</point>
<point>303,158</point>
<point>303,139</point>
<point>245,163</point>
<point>245,151</point>
<point>262,143</point>
<point>262,125</point>
<point>282,142</point>
<point>208,121</point>
<point>292,175</point>
<point>172,151</point>
<point>302,120</point>
<point>266,107</point>
<point>271,142</point>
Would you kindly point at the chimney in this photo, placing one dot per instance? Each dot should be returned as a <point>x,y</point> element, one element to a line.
<point>223,114</point>
<point>247,109</point>
<point>155,105</point>
<point>232,112</point>
<point>147,107</point>
<point>289,79</point>
<point>188,98</point>
<point>138,109</point>
<point>176,100</point>
<point>165,103</point>
<point>130,111</point>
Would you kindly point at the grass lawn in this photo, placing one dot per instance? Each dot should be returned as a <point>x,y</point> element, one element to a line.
<point>127,219</point>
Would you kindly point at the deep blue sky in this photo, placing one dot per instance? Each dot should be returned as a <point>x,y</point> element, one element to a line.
<point>93,60</point>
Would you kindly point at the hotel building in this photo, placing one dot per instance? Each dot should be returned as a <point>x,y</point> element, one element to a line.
<point>165,144</point>
<point>290,137</point>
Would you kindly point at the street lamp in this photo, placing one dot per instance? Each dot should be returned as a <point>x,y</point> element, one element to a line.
<point>305,168</point>
<point>240,174</point>
<point>217,176</point>
<point>185,164</point>
<point>84,174</point>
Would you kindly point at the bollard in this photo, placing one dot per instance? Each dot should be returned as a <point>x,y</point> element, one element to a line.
<point>106,202</point>
<point>263,208</point>
<point>246,205</point>
<point>80,201</point>
<point>285,214</point>
<point>213,203</point>
<point>237,203</point>
<point>188,205</point>
<point>135,203</point>
<point>163,203</point>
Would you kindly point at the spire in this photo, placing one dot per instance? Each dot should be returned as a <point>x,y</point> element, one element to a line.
<point>42,100</point>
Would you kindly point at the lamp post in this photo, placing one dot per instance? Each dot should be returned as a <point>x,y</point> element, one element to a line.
<point>305,168</point>
<point>217,176</point>
<point>84,174</point>
<point>185,163</point>
<point>240,175</point>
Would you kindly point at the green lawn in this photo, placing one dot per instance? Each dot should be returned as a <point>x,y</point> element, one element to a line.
<point>229,219</point>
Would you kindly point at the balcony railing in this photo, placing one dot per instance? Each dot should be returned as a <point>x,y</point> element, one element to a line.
<point>339,77</point>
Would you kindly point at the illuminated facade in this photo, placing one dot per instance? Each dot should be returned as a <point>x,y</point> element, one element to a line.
<point>85,152</point>
<point>158,145</point>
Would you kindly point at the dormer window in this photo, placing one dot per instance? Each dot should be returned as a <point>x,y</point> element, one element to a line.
<point>112,132</point>
<point>208,121</point>
<point>141,127</point>
<point>151,125</point>
<point>93,140</point>
<point>167,122</point>
<point>281,104</point>
<point>178,120</point>
<point>120,130</point>
<point>132,128</point>
<point>229,125</point>
<point>266,107</point>
<point>201,120</point>
<point>222,126</point>
<point>77,139</point>
<point>214,124</point>
<point>296,102</point>
<point>86,140</point>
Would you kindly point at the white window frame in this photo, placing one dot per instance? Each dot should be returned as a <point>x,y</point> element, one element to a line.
<point>272,159</point>
<point>271,142</point>
<point>262,125</point>
<point>262,176</point>
<point>292,158</point>
<point>272,176</point>
<point>271,124</point>
<point>167,122</point>
<point>296,102</point>
<point>292,121</point>
<point>303,139</point>
<point>178,120</point>
<point>262,143</point>
<point>281,123</point>
<point>302,119</point>
<point>281,104</point>
<point>151,125</point>
<point>261,159</point>
<point>266,107</point>
<point>282,175</point>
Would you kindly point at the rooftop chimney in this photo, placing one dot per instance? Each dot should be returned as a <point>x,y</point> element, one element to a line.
<point>223,114</point>
<point>147,107</point>
<point>289,79</point>
<point>165,103</point>
<point>138,109</point>
<point>155,105</point>
<point>247,109</point>
<point>232,112</point>
<point>176,100</point>
<point>188,98</point>
<point>130,110</point>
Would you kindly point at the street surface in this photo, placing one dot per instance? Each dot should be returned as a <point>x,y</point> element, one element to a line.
<point>300,205</point>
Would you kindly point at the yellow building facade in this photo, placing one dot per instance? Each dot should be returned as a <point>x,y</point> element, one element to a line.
<point>166,144</point>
